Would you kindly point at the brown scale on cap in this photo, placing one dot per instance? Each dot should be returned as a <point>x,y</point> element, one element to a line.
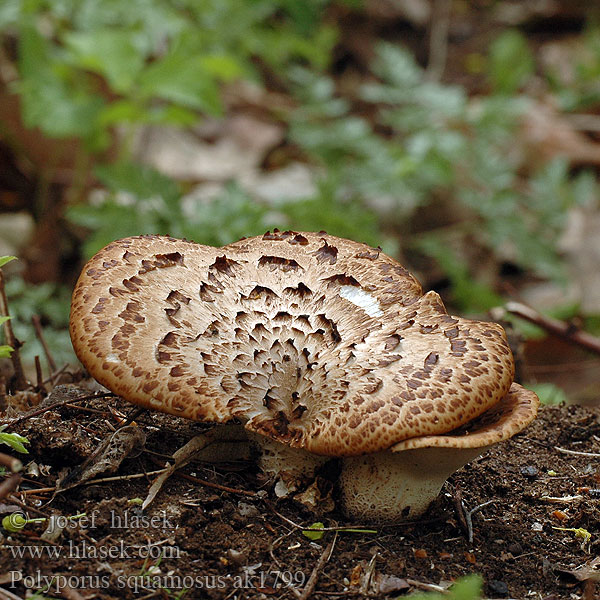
<point>311,340</point>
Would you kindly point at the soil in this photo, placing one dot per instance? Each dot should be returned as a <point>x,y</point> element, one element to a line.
<point>245,543</point>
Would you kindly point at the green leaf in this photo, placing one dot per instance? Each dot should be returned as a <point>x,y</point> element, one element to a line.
<point>14,522</point>
<point>54,97</point>
<point>5,351</point>
<point>184,80</point>
<point>6,259</point>
<point>465,588</point>
<point>140,180</point>
<point>511,62</point>
<point>112,53</point>
<point>548,393</point>
<point>14,440</point>
<point>314,535</point>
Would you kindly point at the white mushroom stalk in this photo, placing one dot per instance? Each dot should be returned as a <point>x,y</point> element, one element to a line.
<point>314,343</point>
<point>401,483</point>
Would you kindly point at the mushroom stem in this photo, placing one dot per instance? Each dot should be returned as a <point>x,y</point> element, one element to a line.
<point>289,466</point>
<point>387,487</point>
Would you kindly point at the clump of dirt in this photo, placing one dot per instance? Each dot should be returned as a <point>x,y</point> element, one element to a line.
<point>531,506</point>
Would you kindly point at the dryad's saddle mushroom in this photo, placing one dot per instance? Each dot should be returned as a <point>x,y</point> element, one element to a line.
<point>322,346</point>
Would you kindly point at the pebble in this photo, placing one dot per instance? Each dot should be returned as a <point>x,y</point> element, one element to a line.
<point>498,588</point>
<point>529,471</point>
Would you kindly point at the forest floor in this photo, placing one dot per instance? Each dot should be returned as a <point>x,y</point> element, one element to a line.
<point>534,505</point>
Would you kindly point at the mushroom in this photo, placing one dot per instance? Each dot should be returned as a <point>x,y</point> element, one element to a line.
<point>401,482</point>
<point>321,347</point>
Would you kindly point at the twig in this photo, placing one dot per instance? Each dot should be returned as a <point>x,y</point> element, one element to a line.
<point>469,518</point>
<point>52,377</point>
<point>216,486</point>
<point>459,507</point>
<point>430,587</point>
<point>100,480</point>
<point>438,39</point>
<point>210,484</point>
<point>44,409</point>
<point>564,330</point>
<point>576,453</point>
<point>273,544</point>
<point>14,465</point>
<point>9,485</point>
<point>563,499</point>
<point>312,580</point>
<point>352,528</point>
<point>37,325</point>
<point>21,382</point>
<point>6,595</point>
<point>39,378</point>
<point>583,122</point>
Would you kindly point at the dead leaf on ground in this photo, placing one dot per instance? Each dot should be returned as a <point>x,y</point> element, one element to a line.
<point>106,458</point>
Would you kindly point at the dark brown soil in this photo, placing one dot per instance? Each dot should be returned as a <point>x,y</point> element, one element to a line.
<point>242,544</point>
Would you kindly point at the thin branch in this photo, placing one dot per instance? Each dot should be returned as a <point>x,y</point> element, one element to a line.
<point>576,453</point>
<point>438,39</point>
<point>94,481</point>
<point>40,336</point>
<point>39,411</point>
<point>39,378</point>
<point>14,465</point>
<point>469,517</point>
<point>9,485</point>
<point>312,580</point>
<point>559,328</point>
<point>6,595</point>
<point>21,382</point>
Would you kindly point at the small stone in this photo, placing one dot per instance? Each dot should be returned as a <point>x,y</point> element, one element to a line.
<point>515,549</point>
<point>529,471</point>
<point>248,510</point>
<point>537,526</point>
<point>498,588</point>
<point>236,557</point>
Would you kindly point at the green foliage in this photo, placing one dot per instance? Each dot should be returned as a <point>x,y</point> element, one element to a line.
<point>548,393</point>
<point>511,62</point>
<point>14,440</point>
<point>314,535</point>
<point>580,89</point>
<point>51,303</point>
<point>465,588</point>
<point>87,65</point>
<point>143,200</point>
<point>6,259</point>
<point>5,350</point>
<point>441,146</point>
<point>467,293</point>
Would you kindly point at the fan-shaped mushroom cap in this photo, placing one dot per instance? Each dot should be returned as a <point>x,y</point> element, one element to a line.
<point>401,483</point>
<point>311,340</point>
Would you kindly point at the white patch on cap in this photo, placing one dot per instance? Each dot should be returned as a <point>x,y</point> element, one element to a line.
<point>362,299</point>
<point>112,358</point>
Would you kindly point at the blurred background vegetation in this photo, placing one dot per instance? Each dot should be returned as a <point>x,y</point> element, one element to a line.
<point>461,137</point>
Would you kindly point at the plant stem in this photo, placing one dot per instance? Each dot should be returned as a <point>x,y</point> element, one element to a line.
<point>20,382</point>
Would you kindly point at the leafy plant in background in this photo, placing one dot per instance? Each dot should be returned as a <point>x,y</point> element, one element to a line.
<point>580,89</point>
<point>89,68</point>
<point>440,146</point>
<point>5,349</point>
<point>143,200</point>
<point>50,302</point>
<point>86,66</point>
